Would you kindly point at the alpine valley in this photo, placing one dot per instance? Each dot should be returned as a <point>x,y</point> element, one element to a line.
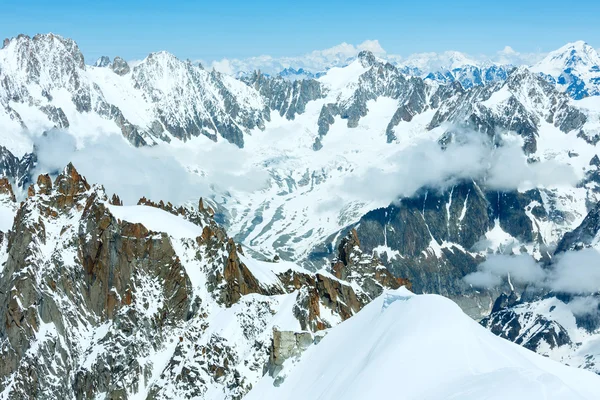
<point>348,227</point>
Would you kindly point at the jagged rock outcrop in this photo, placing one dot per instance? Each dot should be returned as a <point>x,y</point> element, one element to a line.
<point>18,170</point>
<point>507,106</point>
<point>7,190</point>
<point>366,270</point>
<point>98,306</point>
<point>546,324</point>
<point>197,103</point>
<point>102,62</point>
<point>438,237</point>
<point>120,66</point>
<point>287,97</point>
<point>379,80</point>
<point>286,345</point>
<point>585,235</point>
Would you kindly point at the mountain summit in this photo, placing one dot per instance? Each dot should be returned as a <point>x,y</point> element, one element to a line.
<point>575,68</point>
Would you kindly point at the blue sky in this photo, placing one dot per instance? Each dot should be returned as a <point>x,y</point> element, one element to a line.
<point>237,29</point>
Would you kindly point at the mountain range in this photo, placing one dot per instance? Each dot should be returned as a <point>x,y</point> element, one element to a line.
<point>324,196</point>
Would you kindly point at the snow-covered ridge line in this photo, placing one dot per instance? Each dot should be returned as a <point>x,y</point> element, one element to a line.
<point>422,339</point>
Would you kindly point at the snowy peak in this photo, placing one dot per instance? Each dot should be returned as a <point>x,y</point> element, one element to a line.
<point>367,59</point>
<point>80,273</point>
<point>422,338</point>
<point>454,66</point>
<point>575,68</point>
<point>47,85</point>
<point>48,60</point>
<point>577,55</point>
<point>102,62</point>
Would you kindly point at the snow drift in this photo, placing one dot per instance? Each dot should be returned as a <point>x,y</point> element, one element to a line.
<point>423,347</point>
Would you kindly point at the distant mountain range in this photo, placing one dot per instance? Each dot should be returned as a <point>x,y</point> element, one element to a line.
<point>574,67</point>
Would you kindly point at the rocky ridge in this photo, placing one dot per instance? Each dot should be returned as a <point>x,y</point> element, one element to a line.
<point>98,306</point>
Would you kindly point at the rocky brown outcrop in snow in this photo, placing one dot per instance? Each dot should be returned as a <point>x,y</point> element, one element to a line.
<point>6,189</point>
<point>88,300</point>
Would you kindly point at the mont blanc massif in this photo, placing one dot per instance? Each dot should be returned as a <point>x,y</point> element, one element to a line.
<point>374,228</point>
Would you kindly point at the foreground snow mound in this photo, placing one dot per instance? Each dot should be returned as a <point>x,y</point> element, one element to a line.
<point>423,347</point>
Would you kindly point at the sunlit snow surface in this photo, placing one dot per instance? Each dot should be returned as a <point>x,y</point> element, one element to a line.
<point>423,347</point>
<point>157,220</point>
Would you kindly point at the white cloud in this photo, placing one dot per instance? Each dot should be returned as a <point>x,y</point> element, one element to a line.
<point>224,66</point>
<point>315,61</point>
<point>155,172</point>
<point>470,157</point>
<point>509,56</point>
<point>321,60</point>
<point>574,272</point>
<point>584,305</point>
<point>521,269</point>
<point>509,169</point>
<point>373,46</point>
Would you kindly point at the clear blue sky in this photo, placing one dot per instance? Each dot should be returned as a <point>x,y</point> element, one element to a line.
<point>236,29</point>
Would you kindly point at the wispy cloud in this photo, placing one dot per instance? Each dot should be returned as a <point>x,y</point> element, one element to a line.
<point>321,60</point>
<point>574,272</point>
<point>160,173</point>
<point>315,61</point>
<point>471,156</point>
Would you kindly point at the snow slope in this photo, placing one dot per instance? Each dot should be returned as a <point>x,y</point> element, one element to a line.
<point>423,347</point>
<point>157,220</point>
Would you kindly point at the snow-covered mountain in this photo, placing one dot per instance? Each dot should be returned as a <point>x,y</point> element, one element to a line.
<point>454,66</point>
<point>401,343</point>
<point>46,84</point>
<point>575,68</point>
<point>354,180</point>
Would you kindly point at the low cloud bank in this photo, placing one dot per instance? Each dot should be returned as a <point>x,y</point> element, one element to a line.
<point>470,156</point>
<point>575,272</point>
<point>159,173</point>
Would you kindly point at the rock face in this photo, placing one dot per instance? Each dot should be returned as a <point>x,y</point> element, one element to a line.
<point>585,235</point>
<point>287,345</point>
<point>102,62</point>
<point>288,98</point>
<point>366,270</point>
<point>436,238</point>
<point>6,190</point>
<point>18,170</point>
<point>98,307</point>
<point>546,324</point>
<point>527,328</point>
<point>379,80</point>
<point>120,66</point>
<point>507,106</point>
<point>195,103</point>
<point>549,322</point>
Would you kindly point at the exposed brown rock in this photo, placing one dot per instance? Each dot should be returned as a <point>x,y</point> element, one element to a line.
<point>165,207</point>
<point>320,290</point>
<point>239,281</point>
<point>202,207</point>
<point>116,200</point>
<point>44,184</point>
<point>69,186</point>
<point>6,189</point>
